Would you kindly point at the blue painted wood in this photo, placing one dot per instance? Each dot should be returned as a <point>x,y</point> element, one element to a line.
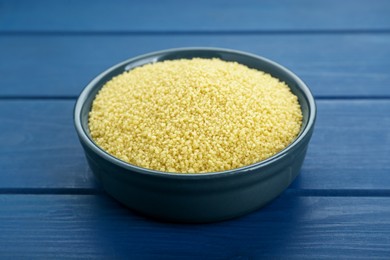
<point>50,205</point>
<point>105,15</point>
<point>332,65</point>
<point>96,227</point>
<point>39,147</point>
<point>350,148</point>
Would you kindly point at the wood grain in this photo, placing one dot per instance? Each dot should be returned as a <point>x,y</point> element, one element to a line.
<point>39,146</point>
<point>68,226</point>
<point>350,148</point>
<point>175,15</point>
<point>58,66</point>
<point>52,208</point>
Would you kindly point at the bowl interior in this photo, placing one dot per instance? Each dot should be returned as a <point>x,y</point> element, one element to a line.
<point>296,85</point>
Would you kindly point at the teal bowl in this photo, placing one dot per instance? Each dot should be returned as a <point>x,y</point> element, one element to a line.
<point>204,197</point>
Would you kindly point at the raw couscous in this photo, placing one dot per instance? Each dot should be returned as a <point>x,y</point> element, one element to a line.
<point>194,116</point>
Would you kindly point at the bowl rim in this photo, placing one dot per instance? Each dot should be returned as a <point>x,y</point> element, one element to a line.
<point>87,140</point>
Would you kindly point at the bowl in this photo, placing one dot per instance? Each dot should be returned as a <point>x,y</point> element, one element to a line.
<point>203,197</point>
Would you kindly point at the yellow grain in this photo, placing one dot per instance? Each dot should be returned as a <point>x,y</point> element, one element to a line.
<point>194,116</point>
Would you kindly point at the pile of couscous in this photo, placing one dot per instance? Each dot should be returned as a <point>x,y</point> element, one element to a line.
<point>194,116</point>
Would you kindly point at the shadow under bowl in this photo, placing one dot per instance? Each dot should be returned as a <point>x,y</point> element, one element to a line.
<point>205,197</point>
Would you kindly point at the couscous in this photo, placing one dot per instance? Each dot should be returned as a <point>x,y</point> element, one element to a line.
<point>194,116</point>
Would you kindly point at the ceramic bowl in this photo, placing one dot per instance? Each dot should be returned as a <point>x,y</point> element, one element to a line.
<point>204,197</point>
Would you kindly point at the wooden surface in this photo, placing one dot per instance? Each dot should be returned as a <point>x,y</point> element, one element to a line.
<point>52,207</point>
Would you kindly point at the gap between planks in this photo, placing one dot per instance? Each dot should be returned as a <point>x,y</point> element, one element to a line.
<point>193,32</point>
<point>288,192</point>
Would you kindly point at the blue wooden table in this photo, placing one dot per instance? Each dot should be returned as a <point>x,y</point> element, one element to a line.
<point>50,204</point>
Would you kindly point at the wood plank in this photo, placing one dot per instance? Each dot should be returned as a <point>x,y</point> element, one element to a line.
<point>332,65</point>
<point>175,15</point>
<point>350,148</point>
<point>69,226</point>
<point>39,146</point>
